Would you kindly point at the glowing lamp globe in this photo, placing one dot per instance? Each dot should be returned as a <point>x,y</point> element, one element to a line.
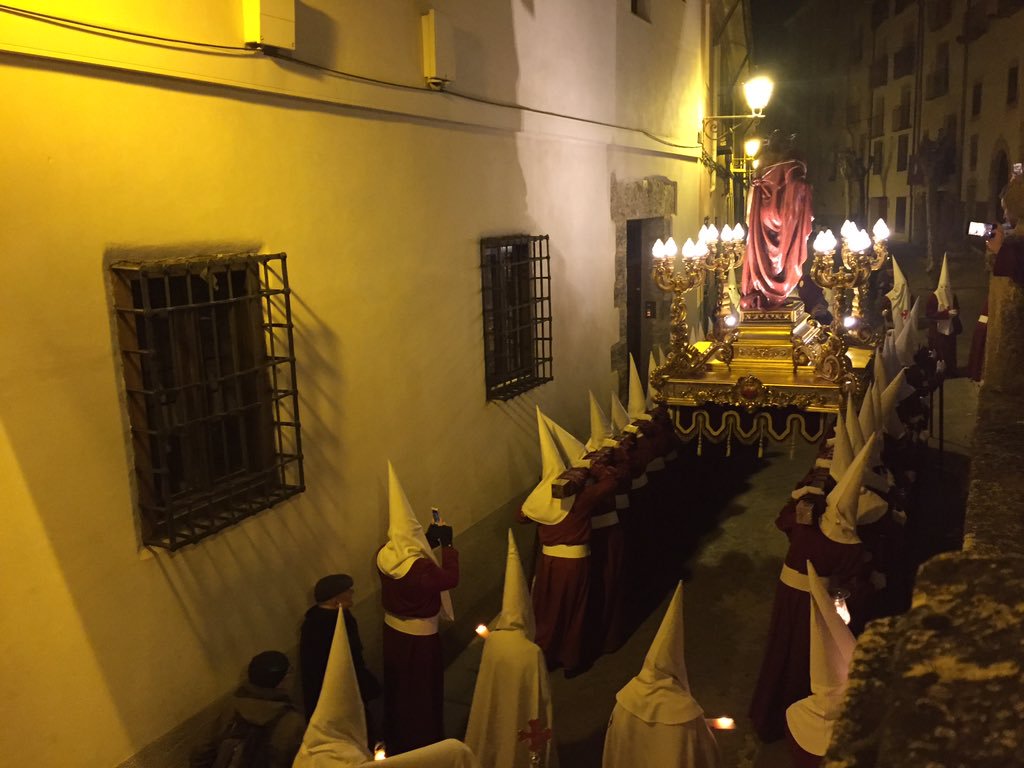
<point>671,249</point>
<point>703,233</point>
<point>880,231</point>
<point>847,230</point>
<point>726,234</point>
<point>758,92</point>
<point>738,233</point>
<point>700,249</point>
<point>712,233</point>
<point>859,241</point>
<point>658,249</point>
<point>688,249</point>
<point>751,147</point>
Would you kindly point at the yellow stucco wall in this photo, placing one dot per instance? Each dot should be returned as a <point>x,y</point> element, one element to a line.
<point>105,647</point>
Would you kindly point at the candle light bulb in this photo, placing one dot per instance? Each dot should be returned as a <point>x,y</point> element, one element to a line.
<point>658,249</point>
<point>847,230</point>
<point>700,249</point>
<point>738,233</point>
<point>671,249</point>
<point>703,233</point>
<point>688,249</point>
<point>712,233</point>
<point>880,231</point>
<point>727,235</point>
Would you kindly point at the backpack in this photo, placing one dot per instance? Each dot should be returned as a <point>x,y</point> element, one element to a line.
<point>245,744</point>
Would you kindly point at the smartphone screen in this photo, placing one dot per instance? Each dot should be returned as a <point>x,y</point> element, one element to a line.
<point>436,515</point>
<point>980,229</point>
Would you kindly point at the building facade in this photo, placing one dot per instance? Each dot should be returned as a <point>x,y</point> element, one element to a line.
<point>143,144</point>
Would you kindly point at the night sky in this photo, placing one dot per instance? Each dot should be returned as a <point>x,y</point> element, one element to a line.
<point>767,17</point>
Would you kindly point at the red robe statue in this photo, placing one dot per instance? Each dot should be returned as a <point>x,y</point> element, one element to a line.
<point>780,221</point>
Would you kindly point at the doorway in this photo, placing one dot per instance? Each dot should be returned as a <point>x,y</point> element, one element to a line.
<point>647,306</point>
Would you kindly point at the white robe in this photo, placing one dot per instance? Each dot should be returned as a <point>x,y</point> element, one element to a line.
<point>631,742</point>
<point>512,688</point>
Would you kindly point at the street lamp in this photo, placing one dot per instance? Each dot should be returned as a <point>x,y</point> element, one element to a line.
<point>758,92</point>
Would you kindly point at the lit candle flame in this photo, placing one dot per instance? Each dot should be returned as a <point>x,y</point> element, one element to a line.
<point>379,753</point>
<point>483,631</point>
<point>722,723</point>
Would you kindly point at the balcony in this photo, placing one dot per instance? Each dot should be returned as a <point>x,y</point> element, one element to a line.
<point>880,72</point>
<point>877,124</point>
<point>903,62</point>
<point>936,84</point>
<point>901,117</point>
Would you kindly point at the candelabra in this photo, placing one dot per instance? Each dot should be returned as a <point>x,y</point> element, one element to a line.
<point>859,257</point>
<point>707,254</point>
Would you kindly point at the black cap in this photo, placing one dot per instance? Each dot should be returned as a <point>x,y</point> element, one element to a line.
<point>332,586</point>
<point>267,669</point>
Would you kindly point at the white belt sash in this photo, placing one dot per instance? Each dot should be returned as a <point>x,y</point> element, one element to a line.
<point>639,482</point>
<point>622,501</point>
<point>567,551</point>
<point>796,580</point>
<point>412,626</point>
<point>605,520</point>
<point>656,464</point>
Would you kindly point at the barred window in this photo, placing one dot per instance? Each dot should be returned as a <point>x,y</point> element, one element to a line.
<point>206,346</point>
<point>516,281</point>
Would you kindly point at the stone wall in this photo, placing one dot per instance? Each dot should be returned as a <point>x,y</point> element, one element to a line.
<point>943,685</point>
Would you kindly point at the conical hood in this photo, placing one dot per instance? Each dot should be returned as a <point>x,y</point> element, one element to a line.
<point>661,692</point>
<point>890,357</point>
<point>406,540</point>
<point>336,734</point>
<point>812,719</point>
<point>637,407</point>
<point>600,426</point>
<point>893,394</point>
<point>842,452</point>
<point>571,449</point>
<point>516,607</point>
<point>662,359</point>
<point>620,416</point>
<point>881,375</point>
<point>839,522</point>
<point>899,296</point>
<point>540,506</point>
<point>866,419</point>
<point>853,426</point>
<point>944,291</point>
<point>907,342</point>
<point>652,365</point>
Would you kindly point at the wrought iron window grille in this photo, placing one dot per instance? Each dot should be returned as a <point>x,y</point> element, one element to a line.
<point>209,372</point>
<point>516,281</point>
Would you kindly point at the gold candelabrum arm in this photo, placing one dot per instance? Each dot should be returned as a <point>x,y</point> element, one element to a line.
<point>723,257</point>
<point>678,282</point>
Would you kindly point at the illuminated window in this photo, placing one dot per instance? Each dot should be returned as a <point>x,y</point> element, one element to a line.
<point>206,347</point>
<point>516,281</point>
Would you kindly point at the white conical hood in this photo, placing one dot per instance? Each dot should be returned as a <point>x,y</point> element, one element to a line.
<point>571,449</point>
<point>733,290</point>
<point>662,359</point>
<point>652,365</point>
<point>899,296</point>
<point>336,734</point>
<point>406,540</point>
<point>839,522</point>
<point>881,375</point>
<point>944,291</point>
<point>891,397</point>
<point>661,692</point>
<point>540,506</point>
<point>853,425</point>
<point>516,607</point>
<point>842,451</point>
<point>637,406</point>
<point>620,416</point>
<point>908,342</point>
<point>812,719</point>
<point>600,426</point>
<point>870,506</point>
<point>866,418</point>
<point>890,357</point>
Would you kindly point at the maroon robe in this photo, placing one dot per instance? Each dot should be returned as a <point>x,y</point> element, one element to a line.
<point>413,665</point>
<point>780,221</point>
<point>976,360</point>
<point>785,675</point>
<point>561,586</point>
<point>606,623</point>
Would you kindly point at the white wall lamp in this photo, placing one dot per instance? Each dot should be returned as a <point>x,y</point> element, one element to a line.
<point>757,91</point>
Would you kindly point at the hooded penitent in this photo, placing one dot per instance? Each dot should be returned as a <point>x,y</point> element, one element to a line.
<point>909,340</point>
<point>842,453</point>
<point>893,394</point>
<point>600,427</point>
<point>853,426</point>
<point>512,685</point>
<point>881,375</point>
<point>661,692</point>
<point>540,506</point>
<point>899,296</point>
<point>406,540</point>
<point>944,296</point>
<point>890,357</point>
<point>839,523</point>
<point>637,407</point>
<point>812,719</point>
<point>571,449</point>
<point>619,415</point>
<point>336,734</point>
